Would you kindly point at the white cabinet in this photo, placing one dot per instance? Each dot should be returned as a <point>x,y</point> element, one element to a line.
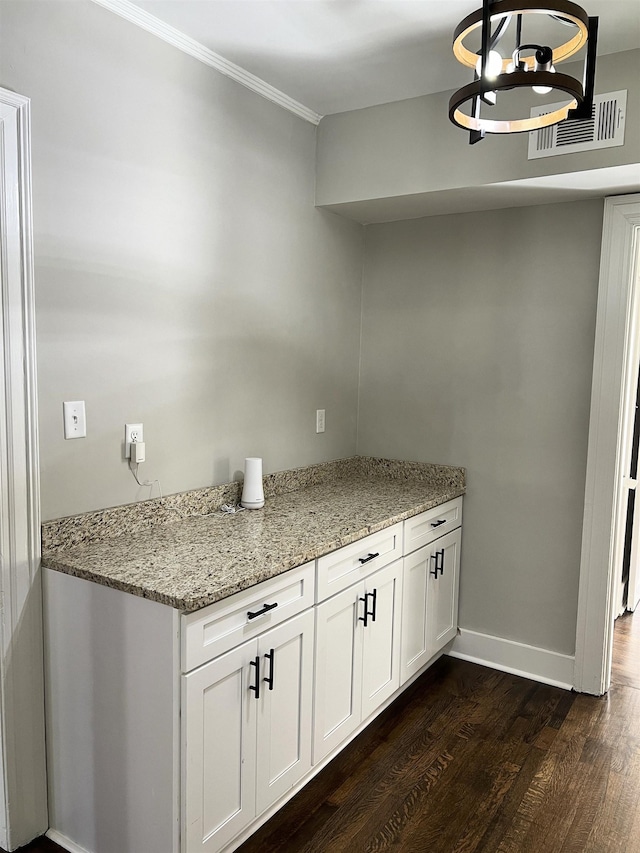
<point>246,718</point>
<point>219,743</point>
<point>337,696</point>
<point>381,638</point>
<point>207,721</point>
<point>247,732</point>
<point>357,656</point>
<point>284,708</point>
<point>442,594</point>
<point>430,601</point>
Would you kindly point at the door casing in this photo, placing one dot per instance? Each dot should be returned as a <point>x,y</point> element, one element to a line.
<point>617,292</point>
<point>23,786</point>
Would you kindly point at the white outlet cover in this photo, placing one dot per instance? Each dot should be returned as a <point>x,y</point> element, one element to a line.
<point>132,431</point>
<point>320,420</point>
<point>75,421</point>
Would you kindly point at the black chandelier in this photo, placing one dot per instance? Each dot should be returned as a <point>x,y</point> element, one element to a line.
<point>530,65</point>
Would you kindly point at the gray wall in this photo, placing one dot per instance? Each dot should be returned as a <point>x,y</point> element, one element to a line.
<point>477,350</point>
<point>184,278</point>
<point>410,147</point>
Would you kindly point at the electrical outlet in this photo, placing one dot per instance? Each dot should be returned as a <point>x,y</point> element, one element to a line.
<point>320,420</point>
<point>132,433</point>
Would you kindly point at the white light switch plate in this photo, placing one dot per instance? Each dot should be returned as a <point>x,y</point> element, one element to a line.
<point>75,421</point>
<point>320,420</point>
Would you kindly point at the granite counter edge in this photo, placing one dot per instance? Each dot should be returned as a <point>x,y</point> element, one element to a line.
<point>189,604</point>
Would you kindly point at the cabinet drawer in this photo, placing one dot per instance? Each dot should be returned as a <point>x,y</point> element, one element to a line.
<point>213,630</point>
<point>348,565</point>
<point>428,526</point>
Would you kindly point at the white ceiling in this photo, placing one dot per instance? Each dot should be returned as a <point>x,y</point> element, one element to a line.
<point>337,55</point>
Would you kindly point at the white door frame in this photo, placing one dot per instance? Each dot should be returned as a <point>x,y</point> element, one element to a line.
<point>626,485</point>
<point>616,294</point>
<point>23,788</point>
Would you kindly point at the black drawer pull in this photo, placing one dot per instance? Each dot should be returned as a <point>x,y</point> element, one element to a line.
<point>374,596</point>
<point>369,557</point>
<point>265,609</point>
<point>256,687</point>
<point>439,522</point>
<point>269,678</point>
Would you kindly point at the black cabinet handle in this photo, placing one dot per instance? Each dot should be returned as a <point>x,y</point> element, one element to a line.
<point>366,610</point>
<point>256,687</point>
<point>368,613</point>
<point>434,571</point>
<point>269,678</point>
<point>439,566</point>
<point>266,608</point>
<point>439,522</point>
<point>369,557</point>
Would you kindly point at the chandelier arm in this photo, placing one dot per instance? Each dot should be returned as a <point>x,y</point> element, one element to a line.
<point>499,32</point>
<point>585,108</point>
<point>486,33</point>
<point>476,135</point>
<point>518,32</point>
<point>563,21</point>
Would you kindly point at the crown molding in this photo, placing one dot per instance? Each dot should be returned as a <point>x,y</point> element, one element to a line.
<point>174,37</point>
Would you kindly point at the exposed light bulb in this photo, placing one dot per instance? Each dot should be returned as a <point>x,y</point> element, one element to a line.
<point>544,90</point>
<point>493,65</point>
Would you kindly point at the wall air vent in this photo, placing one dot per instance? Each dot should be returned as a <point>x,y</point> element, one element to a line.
<point>605,128</point>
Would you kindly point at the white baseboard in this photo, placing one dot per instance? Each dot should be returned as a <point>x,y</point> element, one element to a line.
<point>515,658</point>
<point>63,841</point>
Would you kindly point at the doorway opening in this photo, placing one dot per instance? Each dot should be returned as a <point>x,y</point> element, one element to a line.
<point>614,375</point>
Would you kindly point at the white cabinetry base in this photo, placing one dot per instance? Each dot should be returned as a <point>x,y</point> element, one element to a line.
<point>112,706</point>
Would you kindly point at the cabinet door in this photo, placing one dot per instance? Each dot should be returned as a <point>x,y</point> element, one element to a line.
<point>442,599</point>
<point>219,749</point>
<point>338,676</point>
<point>284,709</point>
<point>381,637</point>
<point>416,643</point>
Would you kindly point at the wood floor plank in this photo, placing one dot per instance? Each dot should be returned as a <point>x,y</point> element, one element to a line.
<point>482,737</point>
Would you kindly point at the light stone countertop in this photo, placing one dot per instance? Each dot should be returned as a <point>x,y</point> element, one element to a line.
<point>197,560</point>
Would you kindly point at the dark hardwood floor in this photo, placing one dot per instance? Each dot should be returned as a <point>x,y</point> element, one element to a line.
<point>40,845</point>
<point>476,761</point>
<point>471,760</point>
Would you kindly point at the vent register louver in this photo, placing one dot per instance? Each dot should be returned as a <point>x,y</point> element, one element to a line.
<point>605,129</point>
